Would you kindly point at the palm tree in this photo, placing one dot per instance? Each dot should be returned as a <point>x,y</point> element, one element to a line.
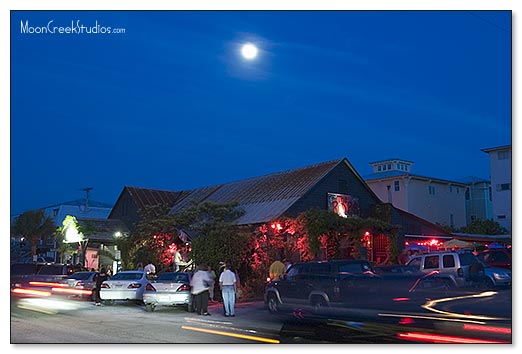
<point>33,225</point>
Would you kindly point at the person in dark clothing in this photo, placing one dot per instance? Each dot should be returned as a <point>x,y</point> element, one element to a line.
<point>99,279</point>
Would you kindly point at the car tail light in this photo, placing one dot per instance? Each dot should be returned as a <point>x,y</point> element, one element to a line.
<point>80,283</point>
<point>184,287</point>
<point>460,272</point>
<point>134,286</point>
<point>105,286</point>
<point>149,287</point>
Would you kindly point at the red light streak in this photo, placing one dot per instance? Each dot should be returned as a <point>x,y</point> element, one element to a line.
<point>401,299</point>
<point>30,292</point>
<point>42,283</point>
<point>492,329</point>
<point>439,338</point>
<point>72,291</point>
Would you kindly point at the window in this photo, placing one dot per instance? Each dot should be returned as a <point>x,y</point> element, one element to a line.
<point>415,262</point>
<point>467,194</point>
<point>397,187</point>
<point>489,190</point>
<point>503,187</point>
<point>503,155</point>
<point>458,190</point>
<point>431,262</point>
<point>379,168</point>
<point>389,166</point>
<point>55,212</point>
<point>501,216</point>
<point>473,218</point>
<point>451,188</point>
<point>448,261</point>
<point>431,190</point>
<point>384,167</point>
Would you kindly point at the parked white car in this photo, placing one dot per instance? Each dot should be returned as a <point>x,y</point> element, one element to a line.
<point>125,285</point>
<point>169,289</point>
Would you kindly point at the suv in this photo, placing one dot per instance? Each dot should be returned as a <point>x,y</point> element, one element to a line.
<point>457,268</point>
<point>320,283</point>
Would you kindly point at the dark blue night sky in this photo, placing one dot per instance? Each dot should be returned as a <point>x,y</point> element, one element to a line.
<point>171,104</point>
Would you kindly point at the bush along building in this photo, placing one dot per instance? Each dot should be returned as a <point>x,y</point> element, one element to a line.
<point>324,210</point>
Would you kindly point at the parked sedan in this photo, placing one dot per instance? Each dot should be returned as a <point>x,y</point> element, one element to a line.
<point>124,285</point>
<point>81,281</point>
<point>497,277</point>
<point>169,289</point>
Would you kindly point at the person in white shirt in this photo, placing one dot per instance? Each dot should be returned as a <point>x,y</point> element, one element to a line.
<point>228,285</point>
<point>149,269</point>
<point>200,284</point>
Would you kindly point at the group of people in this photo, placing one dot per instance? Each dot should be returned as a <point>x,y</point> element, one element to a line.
<point>202,287</point>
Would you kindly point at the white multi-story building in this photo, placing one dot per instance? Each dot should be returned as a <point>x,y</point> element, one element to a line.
<point>437,200</point>
<point>500,171</point>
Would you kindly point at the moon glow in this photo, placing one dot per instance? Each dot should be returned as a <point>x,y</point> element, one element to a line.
<point>249,51</point>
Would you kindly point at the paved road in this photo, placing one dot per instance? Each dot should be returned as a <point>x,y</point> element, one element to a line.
<point>130,323</point>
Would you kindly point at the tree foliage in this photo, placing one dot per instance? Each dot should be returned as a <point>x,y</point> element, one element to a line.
<point>216,237</point>
<point>484,227</point>
<point>33,225</point>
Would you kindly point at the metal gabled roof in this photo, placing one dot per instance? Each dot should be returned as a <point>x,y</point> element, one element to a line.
<point>262,198</point>
<point>144,197</point>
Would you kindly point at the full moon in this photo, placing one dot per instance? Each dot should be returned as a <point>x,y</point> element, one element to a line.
<point>249,51</point>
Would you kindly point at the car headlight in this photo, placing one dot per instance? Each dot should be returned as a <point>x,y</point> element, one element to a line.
<point>499,276</point>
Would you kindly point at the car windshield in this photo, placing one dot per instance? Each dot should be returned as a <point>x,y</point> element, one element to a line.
<point>353,268</point>
<point>80,275</point>
<point>127,276</point>
<point>51,270</point>
<point>173,277</point>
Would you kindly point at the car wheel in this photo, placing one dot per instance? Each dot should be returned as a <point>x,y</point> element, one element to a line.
<point>150,307</point>
<point>273,304</point>
<point>109,302</point>
<point>318,303</point>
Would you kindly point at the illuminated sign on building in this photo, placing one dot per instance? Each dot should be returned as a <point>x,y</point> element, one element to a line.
<point>343,205</point>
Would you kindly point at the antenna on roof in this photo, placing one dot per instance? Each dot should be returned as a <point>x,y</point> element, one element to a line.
<point>87,190</point>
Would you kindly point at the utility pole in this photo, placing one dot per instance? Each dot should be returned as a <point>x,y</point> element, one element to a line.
<point>87,190</point>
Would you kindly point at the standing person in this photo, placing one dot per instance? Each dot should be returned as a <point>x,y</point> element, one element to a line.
<point>109,271</point>
<point>199,288</point>
<point>140,266</point>
<point>150,269</point>
<point>178,261</point>
<point>277,268</point>
<point>213,277</point>
<point>99,279</point>
<point>227,284</point>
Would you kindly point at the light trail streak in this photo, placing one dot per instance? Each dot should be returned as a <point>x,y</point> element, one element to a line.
<point>430,306</point>
<point>235,335</point>
<point>437,338</point>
